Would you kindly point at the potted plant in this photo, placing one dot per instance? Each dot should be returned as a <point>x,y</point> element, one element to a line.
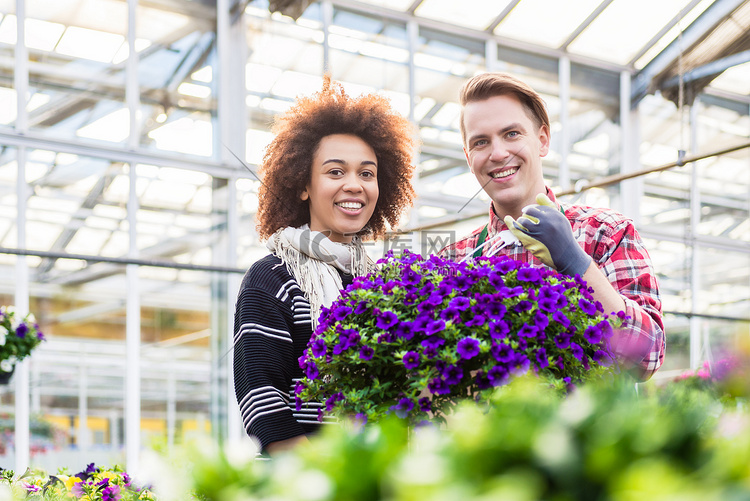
<point>421,334</point>
<point>18,337</point>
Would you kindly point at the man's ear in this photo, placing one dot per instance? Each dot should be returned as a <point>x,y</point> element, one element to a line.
<point>544,138</point>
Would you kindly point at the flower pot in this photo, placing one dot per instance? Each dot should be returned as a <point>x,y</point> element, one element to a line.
<point>5,376</point>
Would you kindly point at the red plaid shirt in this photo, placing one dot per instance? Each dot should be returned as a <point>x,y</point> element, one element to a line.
<point>615,246</point>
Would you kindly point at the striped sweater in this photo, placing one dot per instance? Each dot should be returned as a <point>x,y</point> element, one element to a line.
<point>271,329</point>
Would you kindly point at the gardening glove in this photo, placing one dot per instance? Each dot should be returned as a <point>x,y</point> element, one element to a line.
<point>546,233</point>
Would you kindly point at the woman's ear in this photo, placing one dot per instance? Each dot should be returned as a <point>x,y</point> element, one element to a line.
<point>304,196</point>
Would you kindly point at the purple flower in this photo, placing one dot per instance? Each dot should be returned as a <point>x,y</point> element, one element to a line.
<point>477,321</point>
<point>312,370</point>
<point>421,322</point>
<point>435,326</point>
<point>541,358</point>
<point>462,282</point>
<point>297,404</point>
<point>298,387</point>
<point>547,304</point>
<point>498,375</point>
<point>541,321</point>
<point>404,330</point>
<point>111,493</point>
<point>562,340</point>
<point>560,318</point>
<point>522,306</point>
<point>333,400</point>
<point>507,265</point>
<point>438,386</point>
<point>318,348</point>
<point>366,353</point>
<point>499,329</point>
<point>587,307</point>
<point>496,279</point>
<point>460,303</point>
<point>593,334</point>
<point>603,358</point>
<point>468,348</point>
<point>451,314</point>
<point>386,320</point>
<point>430,352</point>
<point>77,489</point>
<point>528,274</point>
<point>31,487</point>
<point>360,419</point>
<point>404,406</point>
<point>341,312</point>
<point>425,404</point>
<point>520,365</point>
<point>360,308</point>
<point>528,331</point>
<point>411,360</point>
<point>22,329</point>
<point>503,353</point>
<point>606,329</point>
<point>577,351</point>
<point>410,277</point>
<point>453,374</point>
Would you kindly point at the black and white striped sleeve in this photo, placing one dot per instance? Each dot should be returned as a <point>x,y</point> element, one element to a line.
<point>264,365</point>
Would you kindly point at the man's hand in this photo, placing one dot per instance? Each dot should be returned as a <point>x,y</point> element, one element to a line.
<point>546,233</point>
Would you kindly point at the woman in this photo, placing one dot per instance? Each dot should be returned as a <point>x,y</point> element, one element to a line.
<point>338,169</point>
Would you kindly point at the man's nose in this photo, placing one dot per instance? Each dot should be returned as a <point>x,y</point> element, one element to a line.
<point>498,152</point>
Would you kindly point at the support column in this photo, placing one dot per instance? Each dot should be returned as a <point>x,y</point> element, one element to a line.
<point>232,56</point>
<point>171,408</point>
<point>133,302</point>
<point>82,433</point>
<point>696,345</point>
<point>632,189</point>
<point>564,84</point>
<point>21,82</point>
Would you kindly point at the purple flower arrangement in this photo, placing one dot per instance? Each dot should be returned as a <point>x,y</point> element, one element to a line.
<point>420,334</point>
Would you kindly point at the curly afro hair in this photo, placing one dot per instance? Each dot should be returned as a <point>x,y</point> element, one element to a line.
<point>287,163</point>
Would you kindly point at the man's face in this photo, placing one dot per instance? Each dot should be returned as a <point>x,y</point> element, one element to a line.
<point>504,150</point>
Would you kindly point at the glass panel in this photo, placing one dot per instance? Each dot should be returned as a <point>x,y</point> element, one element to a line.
<point>442,64</point>
<point>250,248</point>
<point>176,358</point>
<point>477,14</point>
<point>368,54</point>
<point>552,29</point>
<point>724,283</point>
<point>285,60</point>
<point>175,218</point>
<point>77,88</point>
<point>80,369</point>
<point>176,70</point>
<point>677,358</point>
<point>8,203</point>
<point>8,35</point>
<point>611,36</point>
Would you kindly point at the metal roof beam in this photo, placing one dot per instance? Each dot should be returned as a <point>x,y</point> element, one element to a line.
<point>711,17</point>
<point>714,68</point>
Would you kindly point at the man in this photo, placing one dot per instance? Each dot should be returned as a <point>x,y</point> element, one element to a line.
<point>506,132</point>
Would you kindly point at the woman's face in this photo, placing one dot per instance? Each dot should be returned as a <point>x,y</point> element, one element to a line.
<point>343,187</point>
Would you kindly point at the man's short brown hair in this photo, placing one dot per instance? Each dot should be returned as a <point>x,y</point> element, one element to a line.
<point>487,85</point>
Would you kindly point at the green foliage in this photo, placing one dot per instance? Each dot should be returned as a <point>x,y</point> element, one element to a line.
<point>602,442</point>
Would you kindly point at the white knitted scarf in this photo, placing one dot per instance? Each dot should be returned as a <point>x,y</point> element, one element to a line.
<point>312,259</point>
